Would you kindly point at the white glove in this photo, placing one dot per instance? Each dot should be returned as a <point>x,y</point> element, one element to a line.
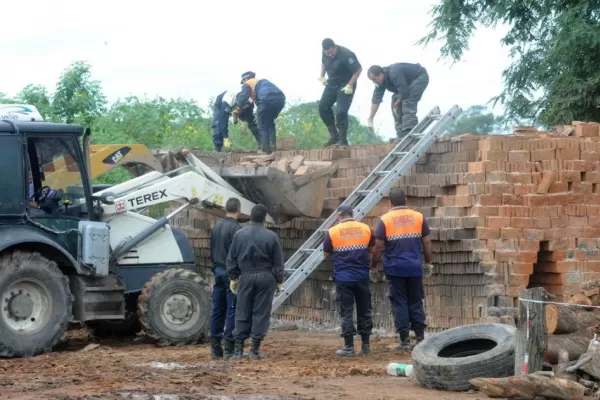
<point>323,81</point>
<point>427,270</point>
<point>370,125</point>
<point>279,289</point>
<point>244,127</point>
<point>227,144</point>
<point>347,89</point>
<point>233,286</point>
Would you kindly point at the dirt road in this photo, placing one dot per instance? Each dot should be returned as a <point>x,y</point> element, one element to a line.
<point>300,365</point>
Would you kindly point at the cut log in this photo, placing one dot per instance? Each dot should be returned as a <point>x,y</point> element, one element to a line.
<point>574,344</point>
<point>562,368</point>
<point>581,299</point>
<point>531,337</point>
<point>561,319</point>
<point>529,387</point>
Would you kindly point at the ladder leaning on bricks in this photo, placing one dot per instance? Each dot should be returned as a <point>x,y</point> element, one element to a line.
<point>372,189</point>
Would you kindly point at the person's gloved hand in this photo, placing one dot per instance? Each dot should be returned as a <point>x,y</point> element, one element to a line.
<point>279,289</point>
<point>348,89</point>
<point>227,144</point>
<point>233,286</point>
<point>370,125</point>
<point>427,270</point>
<point>323,81</point>
<point>244,128</point>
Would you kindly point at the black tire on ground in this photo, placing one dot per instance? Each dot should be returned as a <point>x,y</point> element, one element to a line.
<point>36,304</point>
<point>447,360</point>
<point>119,327</point>
<point>174,307</point>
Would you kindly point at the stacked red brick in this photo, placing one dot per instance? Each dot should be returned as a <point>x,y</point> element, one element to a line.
<point>505,211</point>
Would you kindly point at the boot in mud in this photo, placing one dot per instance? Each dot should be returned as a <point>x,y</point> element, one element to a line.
<point>404,342</point>
<point>255,350</point>
<point>365,347</point>
<point>228,347</point>
<point>238,351</point>
<point>348,349</point>
<point>216,351</point>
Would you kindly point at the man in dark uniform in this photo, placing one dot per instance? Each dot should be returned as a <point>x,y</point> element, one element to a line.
<point>256,260</point>
<point>269,100</point>
<point>402,235</point>
<point>246,115</point>
<point>349,243</point>
<point>343,69</point>
<point>407,82</point>
<point>222,319</point>
<point>226,105</point>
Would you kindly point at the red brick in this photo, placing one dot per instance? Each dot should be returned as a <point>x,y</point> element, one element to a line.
<point>520,268</point>
<point>524,190</point>
<point>505,255</point>
<point>529,245</point>
<point>570,176</point>
<point>592,177</point>
<point>560,222</point>
<point>494,155</point>
<point>526,223</point>
<point>475,177</point>
<point>519,156</point>
<point>553,234</point>
<point>567,154</point>
<point>594,222</point>
<point>590,156</point>
<point>533,234</point>
<point>539,155</point>
<point>578,222</point>
<point>589,276</point>
<point>565,278</point>
<point>497,222</point>
<point>511,233</point>
<point>542,223</point>
<point>558,266</point>
<point>475,167</point>
<point>486,211</point>
<point>512,199</point>
<point>591,266</point>
<point>582,187</point>
<point>573,232</point>
<point>498,188</point>
<point>558,187</point>
<point>487,233</point>
<point>578,210</point>
<point>527,256</point>
<point>490,200</point>
<point>563,243</point>
<point>518,280</point>
<point>496,176</point>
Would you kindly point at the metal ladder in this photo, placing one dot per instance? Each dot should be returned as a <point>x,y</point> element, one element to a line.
<point>406,153</point>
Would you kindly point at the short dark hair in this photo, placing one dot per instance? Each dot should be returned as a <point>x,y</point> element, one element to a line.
<point>233,205</point>
<point>258,213</point>
<point>327,44</point>
<point>397,197</point>
<point>375,70</point>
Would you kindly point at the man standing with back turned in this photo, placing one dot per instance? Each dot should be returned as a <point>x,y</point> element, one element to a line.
<point>343,70</point>
<point>402,235</point>
<point>407,82</point>
<point>349,243</point>
<point>256,261</point>
<point>223,299</point>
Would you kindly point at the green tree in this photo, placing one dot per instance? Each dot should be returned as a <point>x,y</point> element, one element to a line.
<point>38,96</point>
<point>476,120</point>
<point>555,45</point>
<point>5,99</point>
<point>78,98</point>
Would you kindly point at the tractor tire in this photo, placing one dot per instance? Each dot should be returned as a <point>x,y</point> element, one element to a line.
<point>36,304</point>
<point>448,359</point>
<point>174,308</point>
<point>129,326</point>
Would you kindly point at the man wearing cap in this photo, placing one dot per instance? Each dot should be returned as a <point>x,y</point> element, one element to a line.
<point>343,69</point>
<point>269,100</point>
<point>348,244</point>
<point>226,105</point>
<point>407,82</point>
<point>255,261</point>
<point>402,236</point>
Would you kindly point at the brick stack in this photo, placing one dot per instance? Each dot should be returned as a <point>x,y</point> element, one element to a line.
<point>505,212</point>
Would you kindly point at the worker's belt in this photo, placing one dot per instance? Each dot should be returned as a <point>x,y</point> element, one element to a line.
<point>255,270</point>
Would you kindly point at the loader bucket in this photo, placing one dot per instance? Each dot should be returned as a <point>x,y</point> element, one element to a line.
<point>286,196</point>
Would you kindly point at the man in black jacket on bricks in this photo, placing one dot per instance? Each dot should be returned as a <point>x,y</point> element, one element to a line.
<point>343,69</point>
<point>348,244</point>
<point>407,82</point>
<point>222,319</point>
<point>255,260</point>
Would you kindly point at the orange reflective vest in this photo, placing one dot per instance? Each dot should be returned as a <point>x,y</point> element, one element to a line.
<point>350,241</point>
<point>404,247</point>
<point>252,83</point>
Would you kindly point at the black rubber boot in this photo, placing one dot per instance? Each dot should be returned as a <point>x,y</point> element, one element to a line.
<point>343,139</point>
<point>419,336</point>
<point>333,137</point>
<point>228,347</point>
<point>238,351</point>
<point>255,350</point>
<point>404,342</point>
<point>265,144</point>
<point>348,349</point>
<point>365,347</point>
<point>216,351</point>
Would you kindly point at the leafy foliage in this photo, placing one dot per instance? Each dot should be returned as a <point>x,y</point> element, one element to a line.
<point>555,45</point>
<point>476,120</point>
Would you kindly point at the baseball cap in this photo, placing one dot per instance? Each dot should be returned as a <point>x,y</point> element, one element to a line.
<point>248,75</point>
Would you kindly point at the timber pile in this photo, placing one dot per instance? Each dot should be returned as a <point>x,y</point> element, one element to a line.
<point>505,211</point>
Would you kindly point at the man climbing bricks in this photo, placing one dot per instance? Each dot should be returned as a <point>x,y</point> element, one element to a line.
<point>402,235</point>
<point>349,243</point>
<point>226,105</point>
<point>407,82</point>
<point>269,100</point>
<point>343,69</point>
<point>255,260</point>
<point>222,318</point>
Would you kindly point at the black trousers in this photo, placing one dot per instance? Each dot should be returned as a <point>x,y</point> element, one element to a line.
<point>254,303</point>
<point>407,119</point>
<point>406,296</point>
<point>267,112</point>
<point>247,116</point>
<point>349,293</point>
<point>334,95</point>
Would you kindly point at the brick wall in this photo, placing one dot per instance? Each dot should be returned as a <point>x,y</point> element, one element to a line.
<point>505,212</point>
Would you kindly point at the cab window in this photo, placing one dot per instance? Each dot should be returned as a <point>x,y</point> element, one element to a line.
<point>12,195</point>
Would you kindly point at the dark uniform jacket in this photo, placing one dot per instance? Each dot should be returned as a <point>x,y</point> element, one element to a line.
<point>255,249</point>
<point>398,78</point>
<point>340,68</point>
<point>220,241</point>
<point>258,90</point>
<point>221,113</point>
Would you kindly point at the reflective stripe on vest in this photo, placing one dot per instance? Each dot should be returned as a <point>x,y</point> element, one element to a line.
<point>403,223</point>
<point>350,235</point>
<point>252,83</point>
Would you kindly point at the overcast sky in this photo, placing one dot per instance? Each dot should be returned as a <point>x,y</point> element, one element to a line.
<point>196,49</point>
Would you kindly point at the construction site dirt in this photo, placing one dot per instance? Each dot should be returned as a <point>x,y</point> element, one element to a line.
<point>299,365</point>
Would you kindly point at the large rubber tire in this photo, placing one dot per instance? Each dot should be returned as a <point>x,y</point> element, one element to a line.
<point>35,291</point>
<point>119,327</point>
<point>175,291</point>
<point>447,360</point>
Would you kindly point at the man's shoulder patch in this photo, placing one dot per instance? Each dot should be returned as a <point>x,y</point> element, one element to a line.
<point>351,60</point>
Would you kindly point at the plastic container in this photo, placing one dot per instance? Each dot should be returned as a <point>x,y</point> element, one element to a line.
<point>400,369</point>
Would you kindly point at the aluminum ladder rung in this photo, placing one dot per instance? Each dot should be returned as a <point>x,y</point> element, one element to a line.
<point>399,161</point>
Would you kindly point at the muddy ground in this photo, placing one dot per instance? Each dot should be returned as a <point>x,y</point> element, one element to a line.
<point>300,365</point>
